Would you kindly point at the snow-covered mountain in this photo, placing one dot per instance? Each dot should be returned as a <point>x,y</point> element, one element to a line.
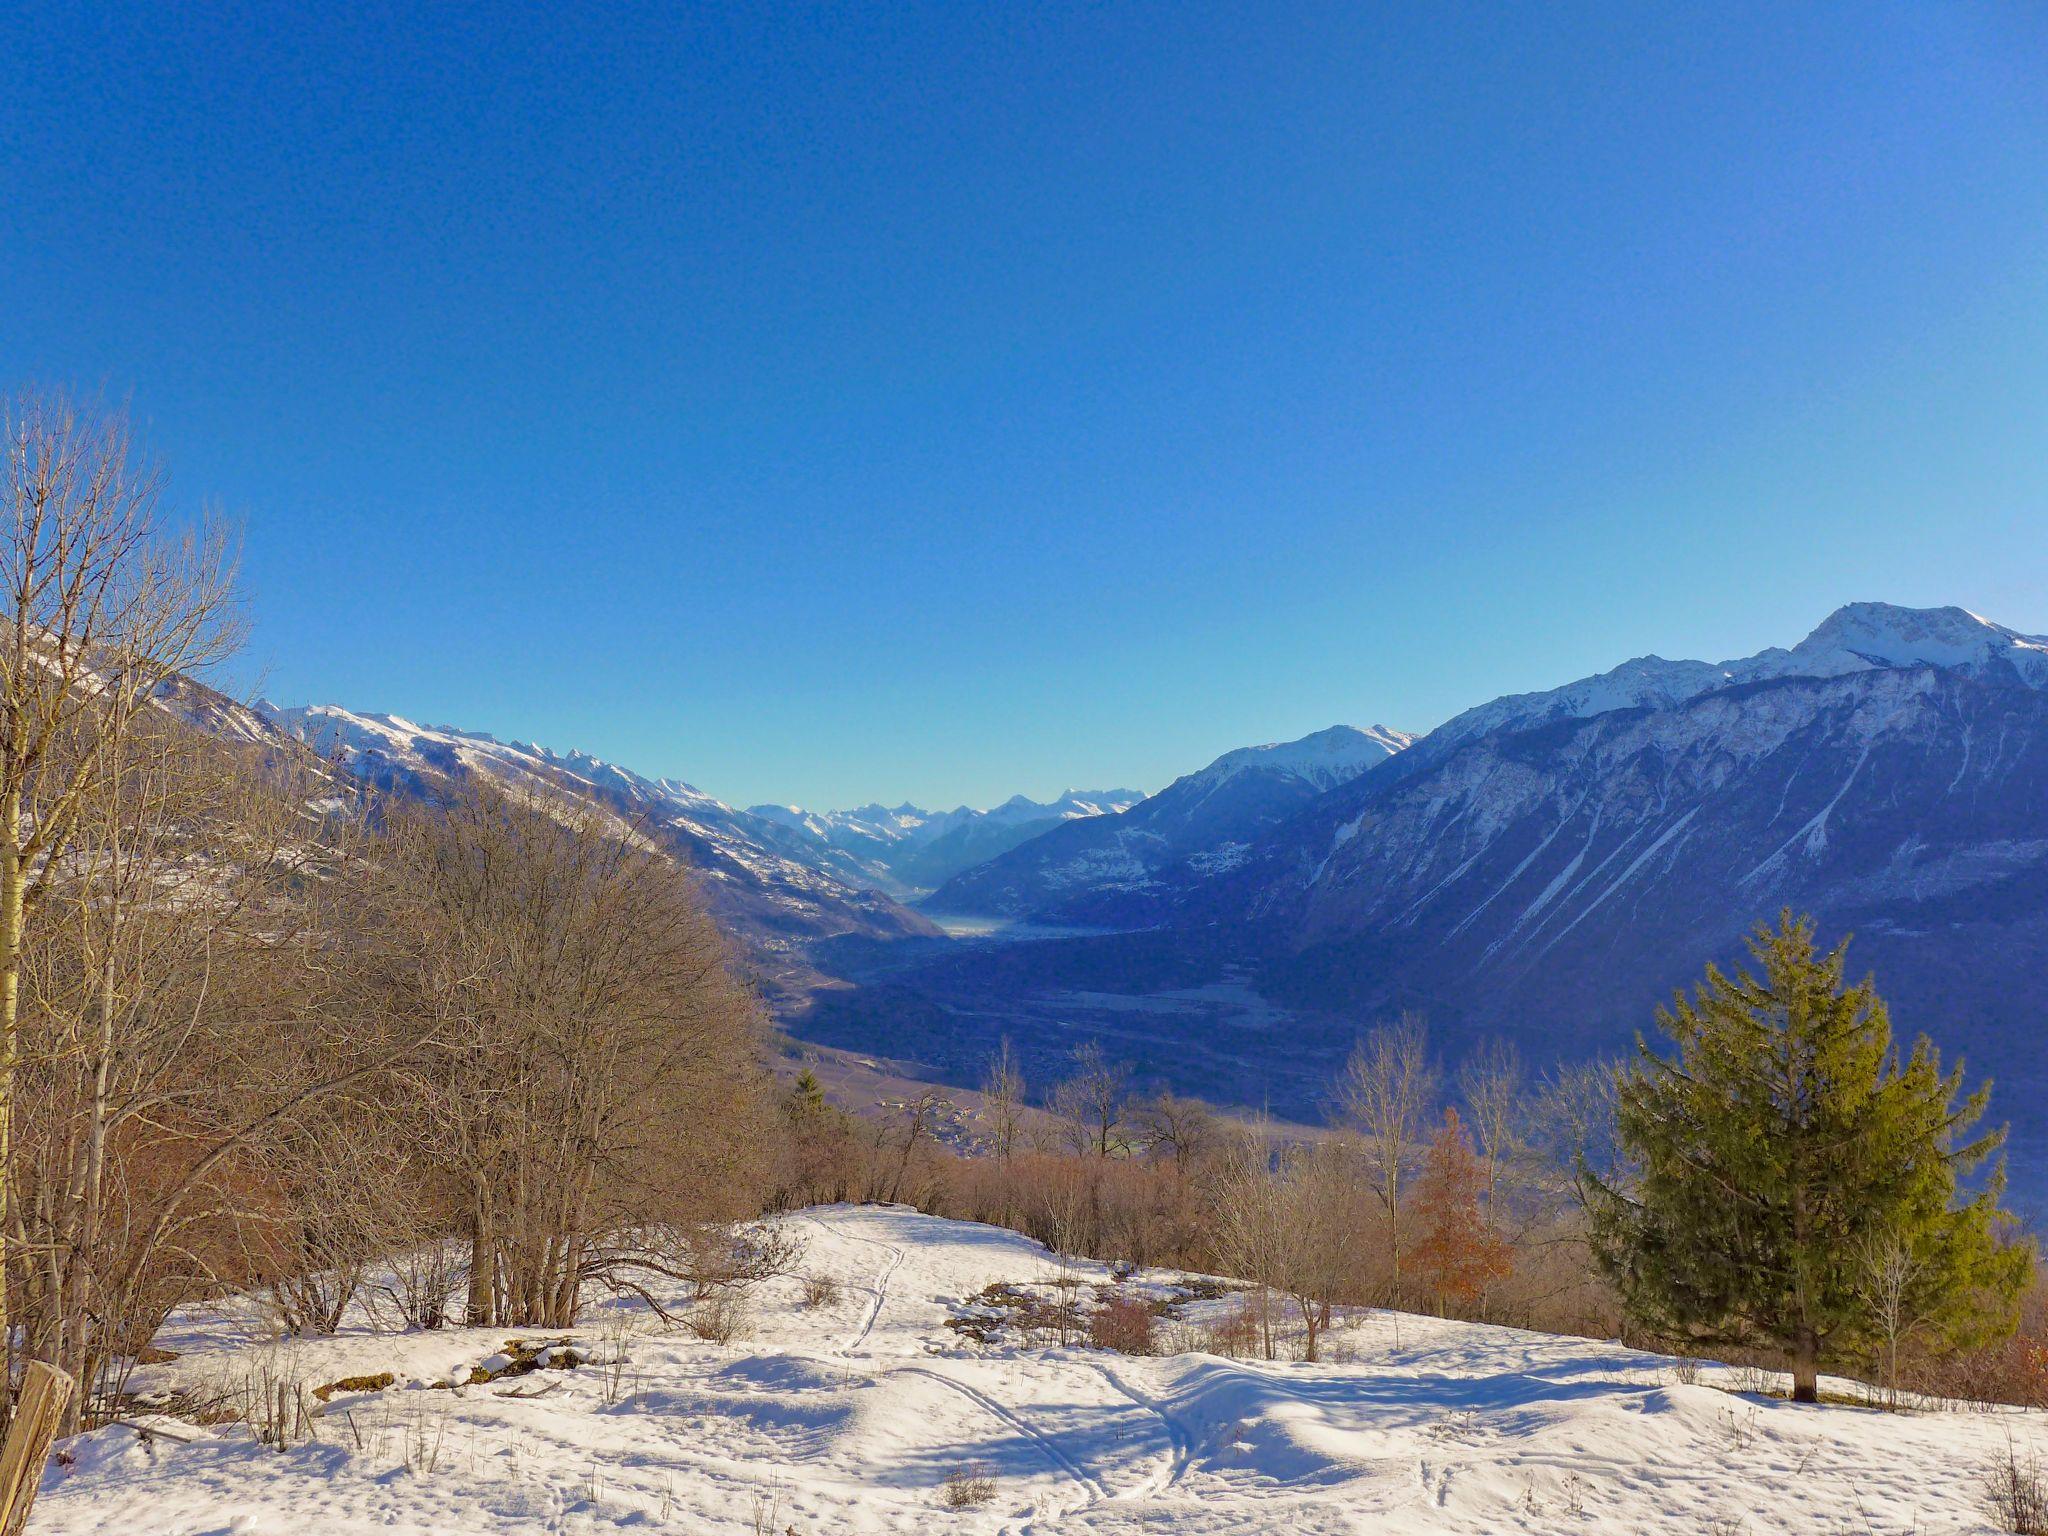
<point>772,886</point>
<point>907,850</point>
<point>1551,866</point>
<point>1861,637</point>
<point>1555,864</point>
<point>1126,867</point>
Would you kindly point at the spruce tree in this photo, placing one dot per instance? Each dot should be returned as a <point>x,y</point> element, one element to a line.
<point>1778,1141</point>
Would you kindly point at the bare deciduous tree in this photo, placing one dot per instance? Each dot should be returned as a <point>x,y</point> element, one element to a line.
<point>103,606</point>
<point>1493,1086</point>
<point>596,1083</point>
<point>1002,1089</point>
<point>1387,1096</point>
<point>1092,1102</point>
<point>1184,1129</point>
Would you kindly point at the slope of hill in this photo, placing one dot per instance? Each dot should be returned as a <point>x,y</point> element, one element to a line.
<point>855,1415</point>
<point>1131,867</point>
<point>907,851</point>
<point>772,891</point>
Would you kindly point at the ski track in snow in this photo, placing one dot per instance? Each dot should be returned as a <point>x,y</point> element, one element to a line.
<point>879,1290</point>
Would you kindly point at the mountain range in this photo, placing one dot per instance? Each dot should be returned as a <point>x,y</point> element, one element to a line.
<point>1125,868</point>
<point>906,850</point>
<point>1548,866</point>
<point>773,889</point>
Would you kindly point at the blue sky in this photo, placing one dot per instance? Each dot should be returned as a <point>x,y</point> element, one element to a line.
<point>833,403</point>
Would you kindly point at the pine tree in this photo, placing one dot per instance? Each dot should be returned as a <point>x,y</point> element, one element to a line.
<point>1459,1251</point>
<point>1780,1140</point>
<point>806,1100</point>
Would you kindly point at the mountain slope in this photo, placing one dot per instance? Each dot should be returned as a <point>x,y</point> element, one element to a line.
<point>906,850</point>
<point>763,884</point>
<point>1131,866</point>
<point>1555,864</point>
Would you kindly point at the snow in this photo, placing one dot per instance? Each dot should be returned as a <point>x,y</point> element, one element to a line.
<point>849,1418</point>
<point>729,845</point>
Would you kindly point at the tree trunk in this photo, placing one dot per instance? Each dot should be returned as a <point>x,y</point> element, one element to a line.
<point>480,1311</point>
<point>1806,1371</point>
<point>11,893</point>
<point>45,1392</point>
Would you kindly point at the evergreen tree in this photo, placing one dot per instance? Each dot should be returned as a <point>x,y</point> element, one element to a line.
<point>1783,1137</point>
<point>806,1100</point>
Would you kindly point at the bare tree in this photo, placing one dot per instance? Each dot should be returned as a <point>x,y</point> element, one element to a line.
<point>1575,1121</point>
<point>1092,1103</point>
<point>103,606</point>
<point>1493,1086</point>
<point>1002,1089</point>
<point>1251,1222</point>
<point>917,1121</point>
<point>597,1088</point>
<point>1184,1129</point>
<point>185,1009</point>
<point>1387,1096</point>
<point>1890,1277</point>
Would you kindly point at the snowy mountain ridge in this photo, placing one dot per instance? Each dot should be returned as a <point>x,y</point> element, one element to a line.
<point>1858,637</point>
<point>1118,869</point>
<point>914,824</point>
<point>770,885</point>
<point>1325,759</point>
<point>907,850</point>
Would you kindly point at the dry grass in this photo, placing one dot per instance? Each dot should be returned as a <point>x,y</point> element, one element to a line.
<point>968,1487</point>
<point>2018,1495</point>
<point>721,1318</point>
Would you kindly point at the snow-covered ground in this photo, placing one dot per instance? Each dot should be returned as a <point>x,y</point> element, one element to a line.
<point>851,1416</point>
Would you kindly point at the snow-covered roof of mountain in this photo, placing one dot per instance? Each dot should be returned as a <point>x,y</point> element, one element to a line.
<point>890,824</point>
<point>332,729</point>
<point>1327,757</point>
<point>1860,637</point>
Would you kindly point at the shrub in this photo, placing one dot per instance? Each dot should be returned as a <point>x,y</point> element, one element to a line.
<point>2018,1495</point>
<point>1122,1323</point>
<point>721,1318</point>
<point>1235,1335</point>
<point>968,1487</point>
<point>820,1291</point>
<point>373,1383</point>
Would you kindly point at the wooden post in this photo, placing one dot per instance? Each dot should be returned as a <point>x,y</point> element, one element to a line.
<point>45,1391</point>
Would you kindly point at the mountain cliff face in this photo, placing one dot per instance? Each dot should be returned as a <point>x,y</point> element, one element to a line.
<point>767,885</point>
<point>1134,866</point>
<point>1555,864</point>
<point>906,850</point>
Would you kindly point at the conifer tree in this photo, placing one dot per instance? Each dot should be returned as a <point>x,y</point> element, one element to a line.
<point>806,1100</point>
<point>1782,1136</point>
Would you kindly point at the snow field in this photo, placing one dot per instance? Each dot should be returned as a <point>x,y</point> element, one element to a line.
<point>856,1415</point>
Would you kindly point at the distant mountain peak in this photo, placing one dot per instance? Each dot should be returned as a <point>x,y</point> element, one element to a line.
<point>1326,757</point>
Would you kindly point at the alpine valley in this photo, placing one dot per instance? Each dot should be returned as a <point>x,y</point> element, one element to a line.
<point>1546,866</point>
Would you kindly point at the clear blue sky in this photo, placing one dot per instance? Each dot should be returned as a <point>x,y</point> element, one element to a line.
<point>829,403</point>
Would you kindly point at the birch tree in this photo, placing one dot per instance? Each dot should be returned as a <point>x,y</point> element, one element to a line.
<point>104,605</point>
